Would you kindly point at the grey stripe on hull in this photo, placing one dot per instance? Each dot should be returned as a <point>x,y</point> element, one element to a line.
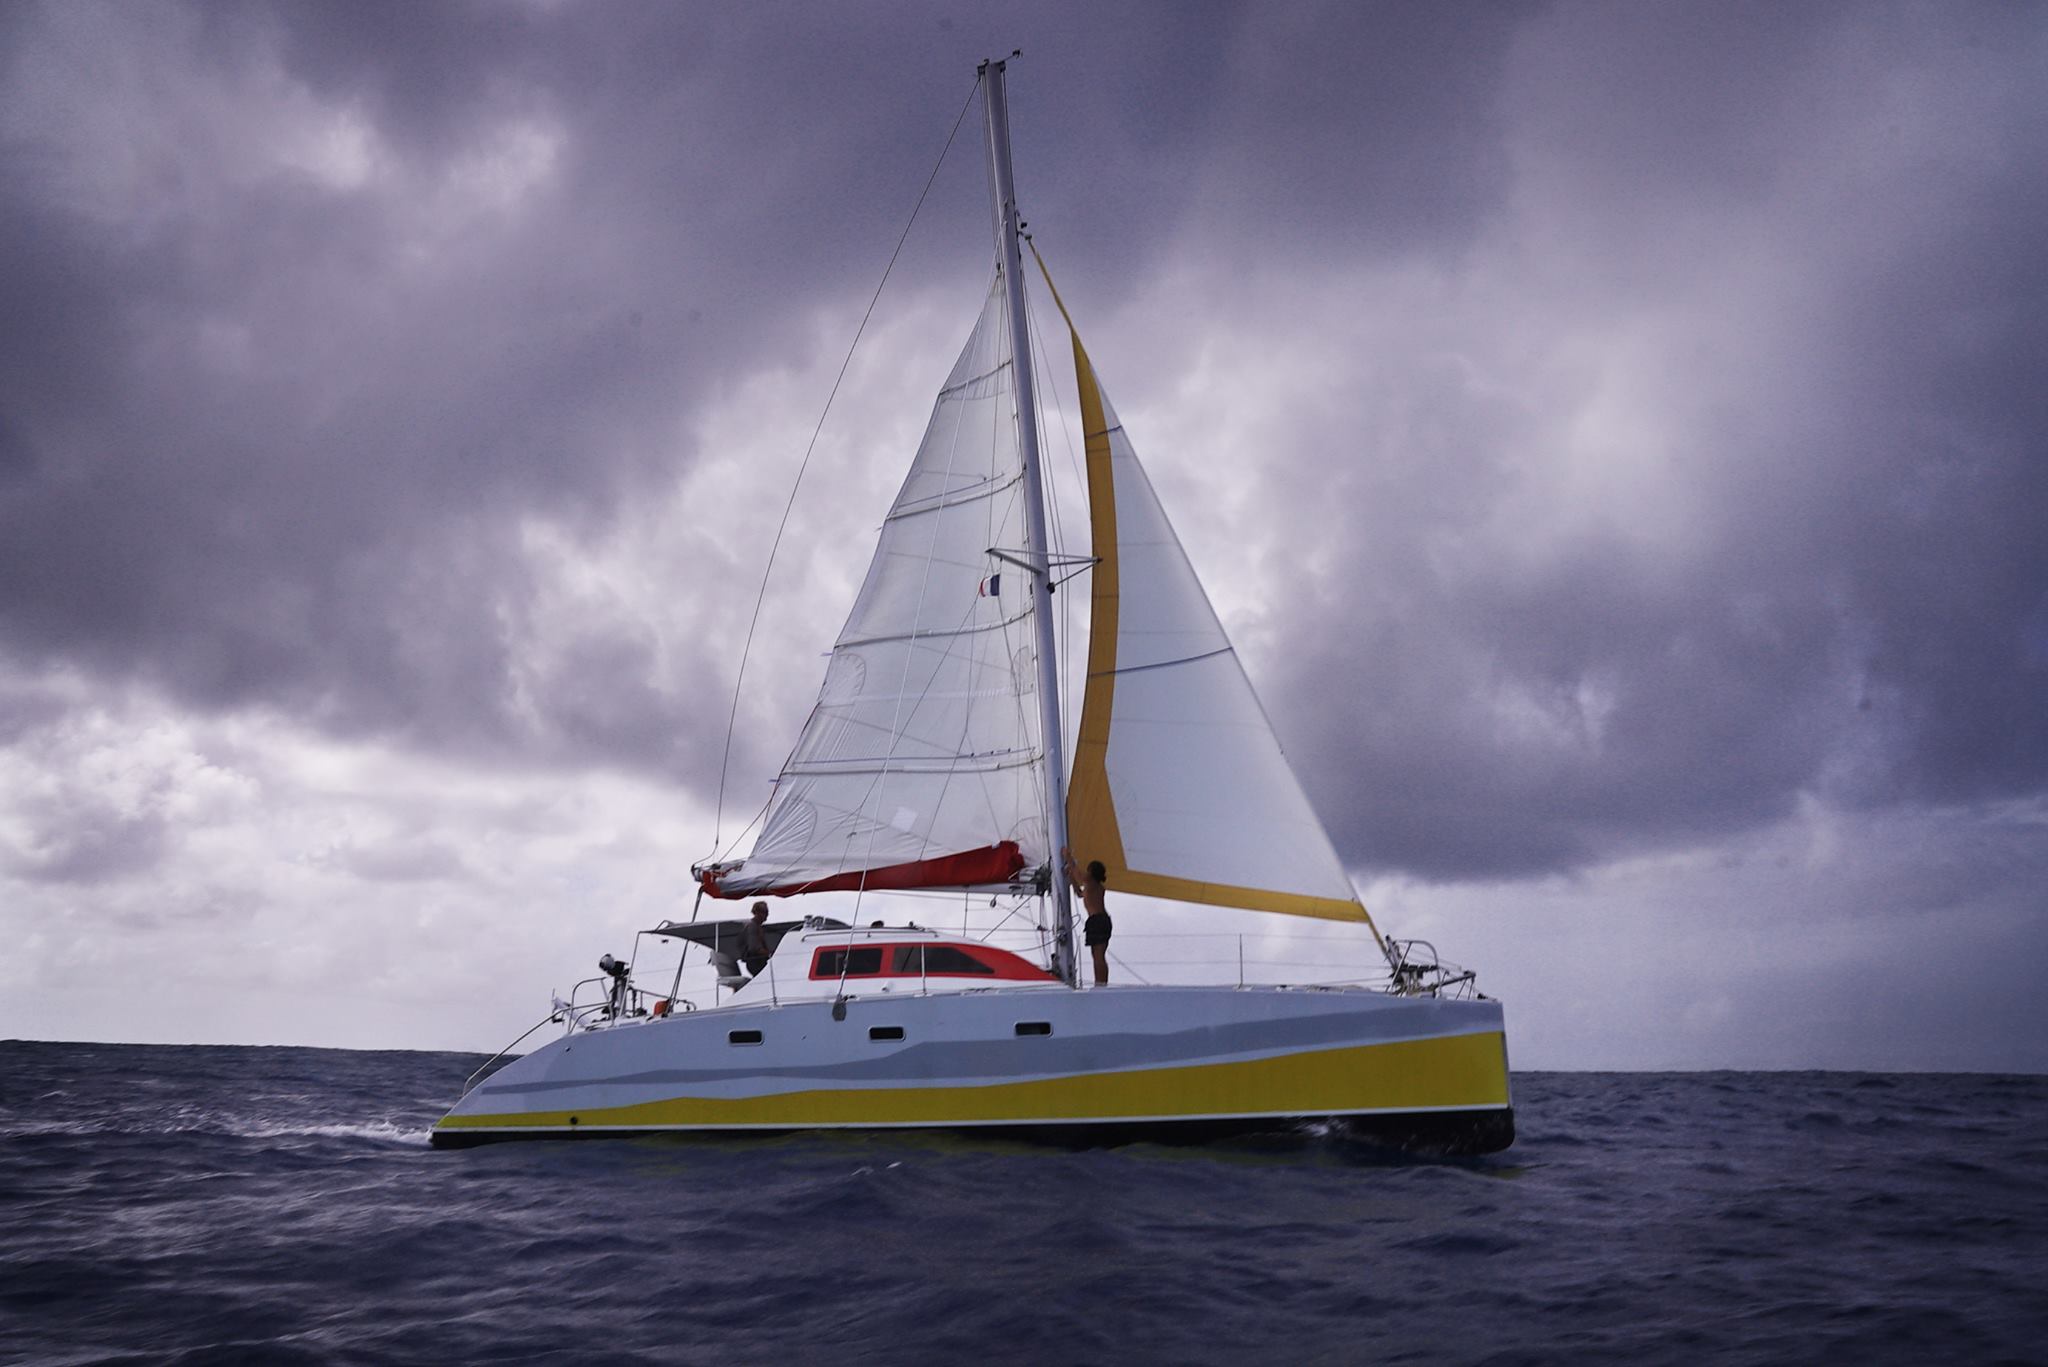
<point>1000,1060</point>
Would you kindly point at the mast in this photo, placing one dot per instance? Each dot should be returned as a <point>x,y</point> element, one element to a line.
<point>1037,550</point>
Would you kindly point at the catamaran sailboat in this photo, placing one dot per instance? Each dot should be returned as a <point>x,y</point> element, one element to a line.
<point>933,761</point>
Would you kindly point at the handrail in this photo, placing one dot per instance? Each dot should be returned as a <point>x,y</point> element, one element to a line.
<point>478,1076</point>
<point>1207,958</point>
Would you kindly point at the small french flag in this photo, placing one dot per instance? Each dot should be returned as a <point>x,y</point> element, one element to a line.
<point>989,587</point>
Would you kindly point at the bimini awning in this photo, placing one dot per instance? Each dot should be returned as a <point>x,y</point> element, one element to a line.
<point>723,937</point>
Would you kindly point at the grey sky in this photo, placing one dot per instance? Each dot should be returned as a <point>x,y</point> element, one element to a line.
<point>1615,435</point>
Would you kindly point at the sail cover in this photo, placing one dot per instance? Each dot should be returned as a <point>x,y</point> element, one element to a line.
<point>1180,787</point>
<point>919,765</point>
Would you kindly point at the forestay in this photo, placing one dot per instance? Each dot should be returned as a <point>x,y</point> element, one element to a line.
<point>919,765</point>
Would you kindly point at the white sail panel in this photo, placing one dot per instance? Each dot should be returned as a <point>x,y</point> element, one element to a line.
<point>918,765</point>
<point>1180,786</point>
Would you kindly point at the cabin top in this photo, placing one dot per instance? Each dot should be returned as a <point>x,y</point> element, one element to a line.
<point>920,959</point>
<point>891,959</point>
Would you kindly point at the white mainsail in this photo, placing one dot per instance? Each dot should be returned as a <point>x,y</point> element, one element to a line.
<point>920,764</point>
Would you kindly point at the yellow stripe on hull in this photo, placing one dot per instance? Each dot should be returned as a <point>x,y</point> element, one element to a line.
<point>1447,1073</point>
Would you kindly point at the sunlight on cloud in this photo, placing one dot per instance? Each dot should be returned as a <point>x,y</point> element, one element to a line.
<point>1556,719</point>
<point>1776,949</point>
<point>336,147</point>
<point>486,189</point>
<point>1611,469</point>
<point>126,129</point>
<point>243,856</point>
<point>516,160</point>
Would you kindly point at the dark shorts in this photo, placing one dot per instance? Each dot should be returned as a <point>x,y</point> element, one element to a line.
<point>1095,930</point>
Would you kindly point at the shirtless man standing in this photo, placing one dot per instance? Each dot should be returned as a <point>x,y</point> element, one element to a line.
<point>1095,931</point>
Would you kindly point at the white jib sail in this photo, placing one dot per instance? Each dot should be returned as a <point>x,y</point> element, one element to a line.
<point>919,765</point>
<point>1180,786</point>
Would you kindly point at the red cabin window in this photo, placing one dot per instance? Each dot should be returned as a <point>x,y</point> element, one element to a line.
<point>922,961</point>
<point>865,962</point>
<point>939,961</point>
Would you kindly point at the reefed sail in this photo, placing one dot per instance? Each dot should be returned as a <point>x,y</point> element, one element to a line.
<point>920,764</point>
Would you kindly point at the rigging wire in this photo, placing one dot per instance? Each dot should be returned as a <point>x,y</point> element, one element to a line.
<point>1059,404</point>
<point>732,714</point>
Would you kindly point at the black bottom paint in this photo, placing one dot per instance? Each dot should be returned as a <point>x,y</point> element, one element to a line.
<point>1430,1134</point>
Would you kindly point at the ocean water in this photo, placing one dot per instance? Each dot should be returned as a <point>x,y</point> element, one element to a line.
<point>206,1205</point>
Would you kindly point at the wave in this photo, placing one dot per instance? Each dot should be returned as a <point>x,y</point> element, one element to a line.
<point>375,1131</point>
<point>208,1204</point>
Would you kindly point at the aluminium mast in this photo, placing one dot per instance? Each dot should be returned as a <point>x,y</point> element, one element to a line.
<point>1038,549</point>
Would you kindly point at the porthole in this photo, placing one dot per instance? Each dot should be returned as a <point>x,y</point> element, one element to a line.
<point>743,1037</point>
<point>885,1032</point>
<point>1034,1027</point>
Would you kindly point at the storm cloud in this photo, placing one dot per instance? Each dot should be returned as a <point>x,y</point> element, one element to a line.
<point>1728,491</point>
<point>1615,435</point>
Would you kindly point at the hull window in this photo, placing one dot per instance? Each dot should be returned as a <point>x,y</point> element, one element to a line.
<point>743,1036</point>
<point>885,1032</point>
<point>1034,1027</point>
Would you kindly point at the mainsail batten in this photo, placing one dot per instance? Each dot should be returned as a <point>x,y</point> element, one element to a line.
<point>968,764</point>
<point>941,502</point>
<point>936,634</point>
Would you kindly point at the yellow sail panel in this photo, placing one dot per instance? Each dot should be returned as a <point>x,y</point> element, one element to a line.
<point>1251,899</point>
<point>1179,786</point>
<point>1091,813</point>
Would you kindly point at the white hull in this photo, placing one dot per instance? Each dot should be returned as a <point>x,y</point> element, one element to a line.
<point>1013,1057</point>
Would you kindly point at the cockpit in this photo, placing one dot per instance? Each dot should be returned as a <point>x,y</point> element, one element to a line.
<point>819,956</point>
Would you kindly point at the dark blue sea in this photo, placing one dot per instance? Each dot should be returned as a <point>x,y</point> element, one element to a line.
<point>209,1205</point>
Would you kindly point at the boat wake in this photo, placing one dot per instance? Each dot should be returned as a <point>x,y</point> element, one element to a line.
<point>233,1127</point>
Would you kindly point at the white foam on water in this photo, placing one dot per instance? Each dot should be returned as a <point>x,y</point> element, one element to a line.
<point>383,1131</point>
<point>380,1131</point>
